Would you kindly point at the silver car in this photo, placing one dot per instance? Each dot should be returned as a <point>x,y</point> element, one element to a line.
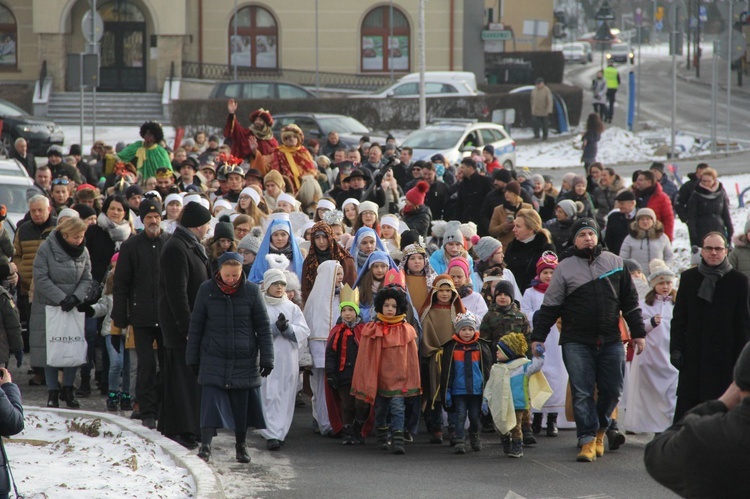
<point>16,187</point>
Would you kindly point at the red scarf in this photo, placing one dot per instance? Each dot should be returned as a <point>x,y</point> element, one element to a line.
<point>336,336</point>
<point>541,286</point>
<point>226,288</point>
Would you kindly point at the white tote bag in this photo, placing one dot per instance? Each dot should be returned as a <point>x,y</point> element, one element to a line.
<point>66,340</point>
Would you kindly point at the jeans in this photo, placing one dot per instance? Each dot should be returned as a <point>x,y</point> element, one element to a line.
<point>393,406</point>
<point>149,360</point>
<point>470,405</point>
<point>91,328</point>
<point>591,368</point>
<point>119,365</point>
<point>50,375</point>
<point>538,122</point>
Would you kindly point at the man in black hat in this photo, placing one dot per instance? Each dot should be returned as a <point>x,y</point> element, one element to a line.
<point>669,187</point>
<point>60,168</point>
<point>85,169</point>
<point>618,222</point>
<point>184,267</point>
<point>590,290</point>
<point>188,169</point>
<point>357,185</point>
<point>138,274</point>
<point>705,453</point>
<point>471,191</point>
<point>253,177</point>
<point>134,196</point>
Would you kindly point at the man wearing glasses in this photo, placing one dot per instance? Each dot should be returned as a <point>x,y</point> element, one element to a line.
<point>710,325</point>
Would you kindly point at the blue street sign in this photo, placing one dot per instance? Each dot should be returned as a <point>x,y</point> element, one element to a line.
<point>703,13</point>
<point>658,25</point>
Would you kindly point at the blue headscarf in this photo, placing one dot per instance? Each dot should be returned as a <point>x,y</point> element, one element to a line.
<point>260,265</point>
<point>375,257</point>
<point>361,234</point>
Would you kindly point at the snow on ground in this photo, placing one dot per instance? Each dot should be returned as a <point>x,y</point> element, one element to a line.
<point>50,458</point>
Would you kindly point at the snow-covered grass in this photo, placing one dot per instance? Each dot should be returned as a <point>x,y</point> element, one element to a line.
<point>57,456</point>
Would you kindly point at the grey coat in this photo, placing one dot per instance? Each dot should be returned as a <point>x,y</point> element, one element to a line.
<point>56,275</point>
<point>739,258</point>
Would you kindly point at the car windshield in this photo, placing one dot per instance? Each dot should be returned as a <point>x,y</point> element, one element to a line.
<point>433,139</point>
<point>8,109</point>
<point>14,197</point>
<point>342,124</point>
<point>620,49</point>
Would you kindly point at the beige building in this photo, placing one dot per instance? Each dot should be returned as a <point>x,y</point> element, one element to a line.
<point>528,23</point>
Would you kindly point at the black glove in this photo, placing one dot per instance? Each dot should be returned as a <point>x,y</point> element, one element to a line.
<point>19,357</point>
<point>282,323</point>
<point>86,309</point>
<point>333,383</point>
<point>69,303</point>
<point>265,371</point>
<point>116,342</point>
<point>194,368</point>
<point>675,358</point>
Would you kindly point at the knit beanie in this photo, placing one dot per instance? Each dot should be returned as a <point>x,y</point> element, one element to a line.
<point>659,272</point>
<point>513,345</point>
<point>416,194</point>
<point>251,242</point>
<point>505,287</point>
<point>645,212</point>
<point>460,262</point>
<point>581,224</point>
<point>568,206</point>
<point>367,206</point>
<point>133,190</point>
<point>462,320</point>
<point>469,230</point>
<point>631,265</point>
<point>390,221</point>
<point>249,191</point>
<point>568,178</point>
<point>148,206</point>
<point>85,211</point>
<point>537,178</point>
<point>195,215</point>
<point>742,370</point>
<point>271,276</point>
<point>502,175</point>
<point>578,179</point>
<point>275,177</point>
<point>66,212</point>
<point>453,233</point>
<point>223,230</point>
<point>548,260</point>
<point>486,248</point>
<point>408,237</point>
<point>229,255</point>
<point>513,187</point>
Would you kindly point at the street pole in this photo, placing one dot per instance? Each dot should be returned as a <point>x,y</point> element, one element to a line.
<point>422,99</point>
<point>93,89</point>
<point>638,84</point>
<point>653,26</point>
<point>698,44</point>
<point>80,88</point>
<point>674,80</point>
<point>714,93</point>
<point>390,39</point>
<point>317,49</point>
<point>730,27</point>
<point>234,62</point>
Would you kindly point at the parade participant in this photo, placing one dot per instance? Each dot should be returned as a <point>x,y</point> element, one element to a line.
<point>335,219</point>
<point>418,273</point>
<point>188,178</point>
<point>453,246</point>
<point>230,349</point>
<point>279,389</point>
<point>389,234</point>
<point>231,168</point>
<point>165,182</point>
<point>291,158</point>
<point>274,184</point>
<point>458,269</point>
<point>322,249</point>
<point>367,216</point>
<point>247,142</point>
<point>370,279</point>
<point>277,240</point>
<point>365,241</point>
<point>490,268</point>
<point>323,206</point>
<point>147,155</point>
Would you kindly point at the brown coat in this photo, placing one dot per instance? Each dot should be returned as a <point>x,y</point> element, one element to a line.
<point>28,239</point>
<point>499,217</point>
<point>541,101</point>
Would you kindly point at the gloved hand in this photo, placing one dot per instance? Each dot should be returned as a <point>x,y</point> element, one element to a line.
<point>676,359</point>
<point>265,371</point>
<point>333,383</point>
<point>19,357</point>
<point>485,406</point>
<point>194,368</point>
<point>69,303</point>
<point>86,309</point>
<point>282,323</point>
<point>116,342</point>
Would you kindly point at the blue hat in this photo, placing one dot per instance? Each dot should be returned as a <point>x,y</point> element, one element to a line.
<point>230,255</point>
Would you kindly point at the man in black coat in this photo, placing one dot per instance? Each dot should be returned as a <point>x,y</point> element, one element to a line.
<point>618,222</point>
<point>438,195</point>
<point>705,454</point>
<point>710,325</point>
<point>471,191</point>
<point>21,153</point>
<point>135,297</point>
<point>686,190</point>
<point>184,267</point>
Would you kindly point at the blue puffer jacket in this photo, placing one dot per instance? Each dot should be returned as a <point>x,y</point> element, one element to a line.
<point>229,336</point>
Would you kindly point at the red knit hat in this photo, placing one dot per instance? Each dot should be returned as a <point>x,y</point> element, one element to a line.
<point>548,260</point>
<point>416,194</point>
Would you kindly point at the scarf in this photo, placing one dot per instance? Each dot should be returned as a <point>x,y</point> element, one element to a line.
<point>118,232</point>
<point>286,251</point>
<point>225,288</point>
<point>361,259</point>
<point>197,246</point>
<point>711,276</point>
<point>142,153</point>
<point>73,251</point>
<point>272,300</point>
<point>540,286</point>
<point>340,337</point>
<point>390,321</point>
<point>321,256</point>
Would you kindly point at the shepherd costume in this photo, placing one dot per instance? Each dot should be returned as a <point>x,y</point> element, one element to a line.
<point>293,162</point>
<point>315,258</point>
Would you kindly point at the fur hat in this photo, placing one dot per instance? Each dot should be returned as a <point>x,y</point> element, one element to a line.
<point>223,230</point>
<point>513,345</point>
<point>394,292</point>
<point>469,230</point>
<point>568,206</point>
<point>275,177</point>
<point>277,261</point>
<point>505,287</point>
<point>416,194</point>
<point>462,320</point>
<point>251,242</point>
<point>195,215</point>
<point>486,248</point>
<point>453,233</point>
<point>659,272</point>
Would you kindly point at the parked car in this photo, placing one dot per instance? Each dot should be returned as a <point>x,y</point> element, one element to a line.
<point>259,90</point>
<point>40,133</point>
<point>620,52</point>
<point>16,187</point>
<point>455,139</point>
<point>437,84</point>
<point>317,126</point>
<point>577,52</point>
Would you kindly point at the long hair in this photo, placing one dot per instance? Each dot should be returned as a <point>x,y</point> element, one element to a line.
<point>109,284</point>
<point>534,222</point>
<point>365,287</point>
<point>651,296</point>
<point>594,122</point>
<point>358,224</point>
<point>252,211</point>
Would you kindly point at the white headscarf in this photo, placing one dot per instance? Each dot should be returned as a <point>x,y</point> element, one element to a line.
<point>322,306</point>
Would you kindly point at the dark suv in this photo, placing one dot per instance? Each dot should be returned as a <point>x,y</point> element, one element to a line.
<point>317,126</point>
<point>38,132</point>
<point>259,90</point>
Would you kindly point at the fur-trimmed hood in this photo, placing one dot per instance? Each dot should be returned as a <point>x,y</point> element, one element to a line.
<point>616,186</point>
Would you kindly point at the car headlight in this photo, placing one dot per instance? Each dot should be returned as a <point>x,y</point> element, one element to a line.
<point>32,128</point>
<point>609,56</point>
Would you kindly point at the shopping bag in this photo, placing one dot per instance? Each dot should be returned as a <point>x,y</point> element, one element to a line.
<point>66,340</point>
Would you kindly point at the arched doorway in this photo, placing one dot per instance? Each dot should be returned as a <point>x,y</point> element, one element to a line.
<point>123,48</point>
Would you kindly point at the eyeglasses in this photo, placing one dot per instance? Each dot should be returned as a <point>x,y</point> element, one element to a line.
<point>241,231</point>
<point>713,249</point>
<point>60,181</point>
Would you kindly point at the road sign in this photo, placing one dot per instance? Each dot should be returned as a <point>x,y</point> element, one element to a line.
<point>94,36</point>
<point>703,13</point>
<point>639,16</point>
<point>497,35</point>
<point>658,25</point>
<point>677,14</point>
<point>739,45</point>
<point>659,13</point>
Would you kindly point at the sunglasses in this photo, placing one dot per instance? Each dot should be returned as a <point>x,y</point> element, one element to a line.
<point>60,181</point>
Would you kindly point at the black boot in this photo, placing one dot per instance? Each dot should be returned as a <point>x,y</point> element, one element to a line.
<point>241,453</point>
<point>85,389</point>
<point>52,400</point>
<point>347,435</point>
<point>475,441</point>
<point>459,447</point>
<point>357,431</point>
<point>615,438</point>
<point>552,424</point>
<point>205,452</point>
<point>536,423</point>
<point>528,437</point>
<point>382,436</point>
<point>397,446</point>
<point>68,395</point>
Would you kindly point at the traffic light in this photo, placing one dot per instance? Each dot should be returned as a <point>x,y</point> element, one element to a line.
<point>659,13</point>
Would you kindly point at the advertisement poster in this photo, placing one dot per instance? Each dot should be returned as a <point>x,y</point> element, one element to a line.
<point>7,49</point>
<point>372,53</point>
<point>265,51</point>
<point>399,46</point>
<point>240,50</point>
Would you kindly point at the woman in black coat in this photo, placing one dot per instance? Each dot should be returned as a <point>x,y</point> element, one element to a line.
<point>11,422</point>
<point>708,209</point>
<point>229,339</point>
<point>530,241</point>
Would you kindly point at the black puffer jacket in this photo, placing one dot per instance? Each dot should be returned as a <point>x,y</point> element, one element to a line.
<point>419,220</point>
<point>11,413</point>
<point>560,232</point>
<point>521,258</point>
<point>707,212</point>
<point>229,336</point>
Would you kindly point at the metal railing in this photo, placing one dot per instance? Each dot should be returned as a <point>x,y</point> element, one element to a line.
<point>300,77</point>
<point>42,77</point>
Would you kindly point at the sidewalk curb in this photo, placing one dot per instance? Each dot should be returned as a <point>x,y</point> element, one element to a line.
<point>207,483</point>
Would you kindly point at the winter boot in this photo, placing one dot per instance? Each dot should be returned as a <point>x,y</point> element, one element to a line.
<point>436,437</point>
<point>459,447</point>
<point>241,453</point>
<point>52,400</point>
<point>516,448</point>
<point>85,389</point>
<point>588,453</point>
<point>505,439</point>
<point>536,423</point>
<point>126,403</point>
<point>205,452</point>
<point>476,443</point>
<point>528,437</point>
<point>552,424</point>
<point>452,436</point>
<point>357,431</point>
<point>347,435</point>
<point>615,438</point>
<point>397,445</point>
<point>70,398</point>
<point>382,436</point>
<point>113,401</point>
<point>599,447</point>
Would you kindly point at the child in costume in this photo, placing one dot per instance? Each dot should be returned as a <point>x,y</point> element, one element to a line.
<point>507,390</point>
<point>453,246</point>
<point>321,313</point>
<point>341,357</point>
<point>390,235</point>
<point>554,368</point>
<point>277,240</point>
<point>417,272</point>
<point>370,280</point>
<point>441,309</point>
<point>279,389</point>
<point>387,368</point>
<point>458,269</point>
<point>466,366</point>
<point>365,241</point>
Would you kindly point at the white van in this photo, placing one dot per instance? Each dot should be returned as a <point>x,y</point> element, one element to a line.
<point>437,84</point>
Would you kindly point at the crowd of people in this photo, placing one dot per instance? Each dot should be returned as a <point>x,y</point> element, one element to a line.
<point>225,278</point>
